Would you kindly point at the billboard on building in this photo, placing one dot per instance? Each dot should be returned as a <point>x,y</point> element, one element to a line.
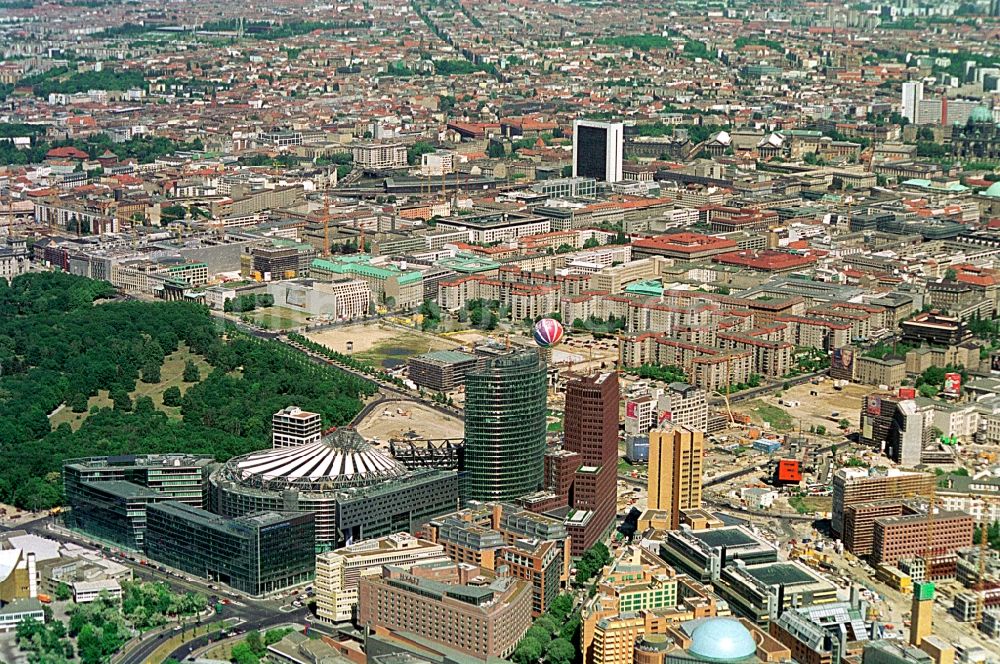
<point>665,416</point>
<point>843,361</point>
<point>630,409</point>
<point>995,363</point>
<point>874,406</point>
<point>952,384</point>
<point>866,429</point>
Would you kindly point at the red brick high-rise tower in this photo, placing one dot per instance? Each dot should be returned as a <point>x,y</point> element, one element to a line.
<point>591,430</point>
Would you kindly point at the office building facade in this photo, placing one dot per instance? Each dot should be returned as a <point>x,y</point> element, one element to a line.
<point>538,563</point>
<point>762,592</point>
<point>703,553</point>
<point>256,554</point>
<point>684,405</point>
<point>894,426</point>
<point>113,511</point>
<point>442,370</point>
<point>597,150</point>
<point>293,426</point>
<point>505,427</point>
<point>913,94</point>
<point>859,523</point>
<point>675,469</point>
<point>823,634</point>
<point>904,536</point>
<point>339,572</point>
<point>591,431</point>
<point>861,485</point>
<point>180,477</point>
<point>483,621</point>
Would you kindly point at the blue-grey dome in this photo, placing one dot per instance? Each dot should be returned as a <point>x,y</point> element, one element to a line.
<point>722,640</point>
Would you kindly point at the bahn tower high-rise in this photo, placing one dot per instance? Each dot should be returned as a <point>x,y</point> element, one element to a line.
<point>505,405</point>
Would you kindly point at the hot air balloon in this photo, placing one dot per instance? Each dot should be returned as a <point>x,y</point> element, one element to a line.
<point>548,332</point>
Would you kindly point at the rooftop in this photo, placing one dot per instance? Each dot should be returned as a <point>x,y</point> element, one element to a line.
<point>359,266</point>
<point>727,537</point>
<point>766,260</point>
<point>785,574</point>
<point>446,357</point>
<point>343,459</point>
<point>685,243</point>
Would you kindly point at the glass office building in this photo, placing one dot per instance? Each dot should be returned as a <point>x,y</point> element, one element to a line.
<point>505,427</point>
<point>181,477</point>
<point>113,511</point>
<point>257,554</point>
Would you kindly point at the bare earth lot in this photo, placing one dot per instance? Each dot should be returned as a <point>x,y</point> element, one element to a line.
<point>819,409</point>
<point>382,345</point>
<point>395,419</point>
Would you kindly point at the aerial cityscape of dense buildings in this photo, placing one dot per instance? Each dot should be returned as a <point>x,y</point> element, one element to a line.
<point>452,331</point>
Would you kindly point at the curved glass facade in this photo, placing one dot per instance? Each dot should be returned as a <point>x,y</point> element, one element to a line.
<point>505,427</point>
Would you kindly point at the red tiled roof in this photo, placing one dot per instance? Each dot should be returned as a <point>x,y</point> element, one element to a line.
<point>766,261</point>
<point>67,152</point>
<point>688,243</point>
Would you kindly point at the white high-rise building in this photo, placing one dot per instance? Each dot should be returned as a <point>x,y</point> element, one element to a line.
<point>597,150</point>
<point>293,426</point>
<point>913,93</point>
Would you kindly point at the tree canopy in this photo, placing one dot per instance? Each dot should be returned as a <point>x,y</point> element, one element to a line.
<point>60,344</point>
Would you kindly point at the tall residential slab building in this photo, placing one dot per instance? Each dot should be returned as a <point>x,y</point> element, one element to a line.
<point>597,150</point>
<point>675,469</point>
<point>591,431</point>
<point>505,427</point>
<point>913,94</point>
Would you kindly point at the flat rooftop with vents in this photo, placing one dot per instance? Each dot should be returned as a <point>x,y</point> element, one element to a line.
<point>703,553</point>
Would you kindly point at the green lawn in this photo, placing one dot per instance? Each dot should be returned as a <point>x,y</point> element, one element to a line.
<point>171,374</point>
<point>278,318</point>
<point>624,467</point>
<point>776,416</point>
<point>811,504</point>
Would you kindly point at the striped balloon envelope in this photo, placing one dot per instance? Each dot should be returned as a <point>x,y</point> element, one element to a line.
<point>548,332</point>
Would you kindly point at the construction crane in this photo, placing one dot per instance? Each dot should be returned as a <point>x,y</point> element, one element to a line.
<point>929,550</point>
<point>326,224</point>
<point>725,395</point>
<point>981,591</point>
<point>621,351</point>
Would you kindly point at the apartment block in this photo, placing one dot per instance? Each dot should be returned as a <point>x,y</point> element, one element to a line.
<point>379,156</point>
